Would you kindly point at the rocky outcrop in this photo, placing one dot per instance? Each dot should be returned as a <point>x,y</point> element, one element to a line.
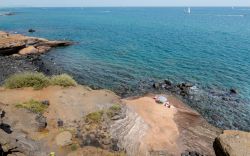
<point>95,129</point>
<point>31,30</point>
<point>129,132</point>
<point>232,143</point>
<point>16,43</point>
<point>28,50</point>
<point>18,144</point>
<point>61,128</point>
<point>13,133</point>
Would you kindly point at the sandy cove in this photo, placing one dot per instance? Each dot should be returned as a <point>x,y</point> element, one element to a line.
<point>169,130</point>
<point>172,130</point>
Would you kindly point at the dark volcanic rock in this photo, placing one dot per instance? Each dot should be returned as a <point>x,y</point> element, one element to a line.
<point>60,123</point>
<point>53,44</point>
<point>156,85</point>
<point>16,141</point>
<point>10,65</point>
<point>168,82</point>
<point>31,30</point>
<point>91,140</point>
<point>233,91</point>
<point>45,102</point>
<point>191,153</point>
<point>42,122</point>
<point>11,49</point>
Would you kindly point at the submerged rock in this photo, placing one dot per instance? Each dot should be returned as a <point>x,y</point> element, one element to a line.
<point>233,91</point>
<point>31,30</point>
<point>232,143</point>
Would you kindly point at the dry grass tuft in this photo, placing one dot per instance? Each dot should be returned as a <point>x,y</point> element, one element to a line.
<point>33,106</point>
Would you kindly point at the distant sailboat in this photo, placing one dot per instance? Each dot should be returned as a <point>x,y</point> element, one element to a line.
<point>189,10</point>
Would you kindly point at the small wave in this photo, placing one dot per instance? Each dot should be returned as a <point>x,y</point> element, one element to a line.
<point>244,9</point>
<point>107,11</point>
<point>194,89</point>
<point>230,15</point>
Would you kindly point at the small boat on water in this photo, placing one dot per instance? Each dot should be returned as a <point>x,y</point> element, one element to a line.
<point>189,10</point>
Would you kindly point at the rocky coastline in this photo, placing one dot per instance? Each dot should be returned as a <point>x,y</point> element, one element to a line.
<point>192,95</point>
<point>114,129</point>
<point>17,44</point>
<point>19,53</point>
<point>10,65</point>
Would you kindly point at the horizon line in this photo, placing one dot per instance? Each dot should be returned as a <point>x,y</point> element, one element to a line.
<point>179,6</point>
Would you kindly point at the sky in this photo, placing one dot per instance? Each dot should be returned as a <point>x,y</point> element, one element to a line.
<point>100,3</point>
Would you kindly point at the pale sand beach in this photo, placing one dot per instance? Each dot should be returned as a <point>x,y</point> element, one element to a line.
<point>169,128</point>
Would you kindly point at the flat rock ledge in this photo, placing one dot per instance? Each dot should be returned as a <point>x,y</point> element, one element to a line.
<point>232,143</point>
<point>17,44</point>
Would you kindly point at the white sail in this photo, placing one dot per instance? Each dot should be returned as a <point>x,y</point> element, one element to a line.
<point>189,11</point>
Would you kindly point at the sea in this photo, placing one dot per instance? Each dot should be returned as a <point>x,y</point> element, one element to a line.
<point>126,46</point>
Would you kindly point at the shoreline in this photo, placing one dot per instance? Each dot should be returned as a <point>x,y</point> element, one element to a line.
<point>75,119</point>
<point>188,93</point>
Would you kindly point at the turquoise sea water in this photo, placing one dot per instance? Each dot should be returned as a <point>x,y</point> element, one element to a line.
<point>120,46</point>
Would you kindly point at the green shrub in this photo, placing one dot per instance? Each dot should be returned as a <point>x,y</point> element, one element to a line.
<point>33,106</point>
<point>63,80</point>
<point>115,107</point>
<point>38,80</point>
<point>35,80</point>
<point>94,117</point>
<point>113,110</point>
<point>74,147</point>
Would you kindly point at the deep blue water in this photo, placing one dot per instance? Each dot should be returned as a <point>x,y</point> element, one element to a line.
<point>120,46</point>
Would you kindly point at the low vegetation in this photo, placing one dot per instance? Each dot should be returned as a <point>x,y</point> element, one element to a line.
<point>33,106</point>
<point>63,80</point>
<point>113,110</point>
<point>74,147</point>
<point>115,107</point>
<point>35,80</point>
<point>38,80</point>
<point>94,117</point>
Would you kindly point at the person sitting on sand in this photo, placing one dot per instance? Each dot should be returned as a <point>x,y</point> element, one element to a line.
<point>167,104</point>
<point>163,100</point>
